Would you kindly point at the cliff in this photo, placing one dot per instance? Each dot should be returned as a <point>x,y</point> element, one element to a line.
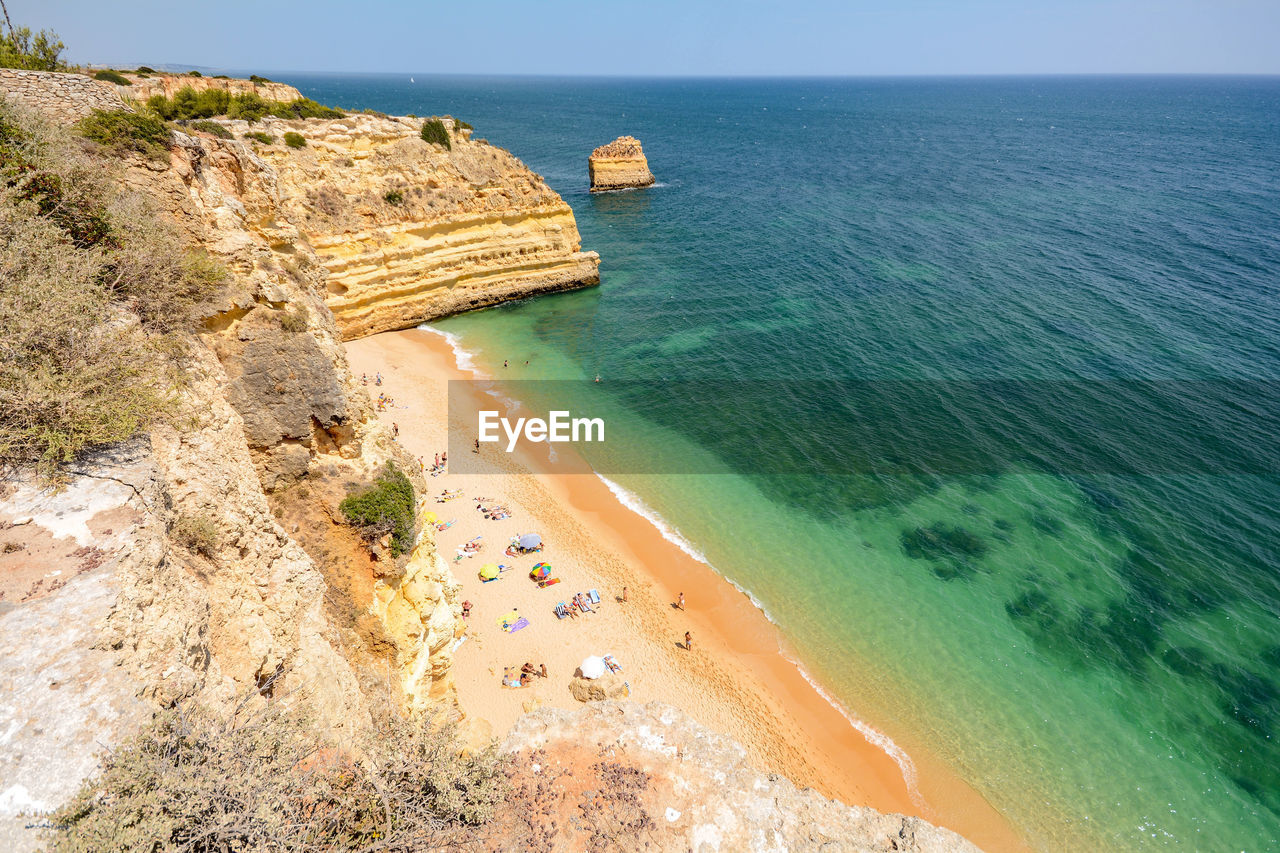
<point>409,231</point>
<point>619,165</point>
<point>145,86</point>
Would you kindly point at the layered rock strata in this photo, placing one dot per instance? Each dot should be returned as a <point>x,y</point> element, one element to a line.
<point>410,231</point>
<point>144,87</point>
<point>619,165</point>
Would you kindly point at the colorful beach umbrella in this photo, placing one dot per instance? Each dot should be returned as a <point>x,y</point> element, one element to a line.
<point>540,571</point>
<point>489,571</point>
<point>529,541</point>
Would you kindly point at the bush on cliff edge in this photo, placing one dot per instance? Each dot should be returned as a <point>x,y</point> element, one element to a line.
<point>434,131</point>
<point>386,507</point>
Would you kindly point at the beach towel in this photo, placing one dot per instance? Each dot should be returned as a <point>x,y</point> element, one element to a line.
<point>507,618</point>
<point>594,596</point>
<point>519,623</point>
<point>612,662</point>
<point>562,612</point>
<point>548,582</point>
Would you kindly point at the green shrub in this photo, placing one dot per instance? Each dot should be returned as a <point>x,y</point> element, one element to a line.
<point>248,107</point>
<point>142,69</point>
<point>434,131</point>
<point>125,131</point>
<point>199,534</point>
<point>221,77</point>
<point>295,140</point>
<point>267,779</point>
<point>459,125</point>
<point>264,138</point>
<point>112,77</point>
<point>393,197</point>
<point>386,507</point>
<point>212,128</point>
<point>42,51</point>
<point>255,78</point>
<point>303,108</point>
<point>194,74</point>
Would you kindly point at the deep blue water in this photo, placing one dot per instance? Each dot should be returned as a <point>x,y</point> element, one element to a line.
<point>1097,651</point>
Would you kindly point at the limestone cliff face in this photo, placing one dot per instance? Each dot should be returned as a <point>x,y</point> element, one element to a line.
<point>169,84</point>
<point>619,165</point>
<point>409,231</point>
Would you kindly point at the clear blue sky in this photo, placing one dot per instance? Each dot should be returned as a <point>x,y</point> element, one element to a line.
<point>682,37</point>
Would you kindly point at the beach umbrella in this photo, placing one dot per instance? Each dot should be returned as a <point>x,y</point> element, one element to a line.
<point>593,667</point>
<point>489,571</point>
<point>530,541</point>
<point>431,517</point>
<point>540,571</point>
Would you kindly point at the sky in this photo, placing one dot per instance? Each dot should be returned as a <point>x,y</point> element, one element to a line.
<point>673,37</point>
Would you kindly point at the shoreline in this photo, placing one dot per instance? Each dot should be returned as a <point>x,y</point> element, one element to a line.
<point>743,679</point>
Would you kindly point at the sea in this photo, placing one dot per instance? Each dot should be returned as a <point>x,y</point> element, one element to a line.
<point>971,383</point>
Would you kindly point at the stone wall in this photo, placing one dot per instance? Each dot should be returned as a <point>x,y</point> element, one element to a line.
<point>64,98</point>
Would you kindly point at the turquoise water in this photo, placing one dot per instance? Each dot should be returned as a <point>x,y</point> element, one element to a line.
<point>1096,650</point>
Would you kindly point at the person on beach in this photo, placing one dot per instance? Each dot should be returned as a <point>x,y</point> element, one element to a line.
<point>395,430</point>
<point>624,595</point>
<point>377,379</point>
<point>680,601</point>
<point>688,641</point>
<point>544,670</point>
<point>466,609</point>
<point>504,362</point>
<point>437,463</point>
<point>364,379</point>
<point>444,459</point>
<point>525,679</point>
<point>528,669</point>
<point>477,450</point>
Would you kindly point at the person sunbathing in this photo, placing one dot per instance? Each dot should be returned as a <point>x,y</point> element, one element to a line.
<point>466,609</point>
<point>525,679</point>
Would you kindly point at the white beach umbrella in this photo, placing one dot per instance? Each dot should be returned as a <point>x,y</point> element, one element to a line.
<point>593,667</point>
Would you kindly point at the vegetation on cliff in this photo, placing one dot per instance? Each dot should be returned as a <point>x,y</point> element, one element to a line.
<point>187,103</point>
<point>385,508</point>
<point>96,294</point>
<point>434,131</point>
<point>195,780</point>
<point>123,131</point>
<point>21,48</point>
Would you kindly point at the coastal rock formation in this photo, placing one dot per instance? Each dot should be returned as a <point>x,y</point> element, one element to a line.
<point>619,165</point>
<point>678,787</point>
<point>145,86</point>
<point>409,231</point>
<point>608,686</point>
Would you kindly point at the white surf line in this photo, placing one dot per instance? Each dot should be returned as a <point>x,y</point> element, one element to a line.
<point>873,736</point>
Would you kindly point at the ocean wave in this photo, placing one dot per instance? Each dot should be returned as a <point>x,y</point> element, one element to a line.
<point>874,736</point>
<point>464,359</point>
<point>633,502</point>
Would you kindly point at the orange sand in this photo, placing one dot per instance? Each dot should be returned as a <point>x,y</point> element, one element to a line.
<point>735,680</point>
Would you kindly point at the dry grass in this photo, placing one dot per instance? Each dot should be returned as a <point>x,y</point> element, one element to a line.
<point>265,780</point>
<point>97,292</point>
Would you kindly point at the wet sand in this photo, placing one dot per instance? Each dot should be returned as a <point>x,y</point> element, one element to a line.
<point>737,678</point>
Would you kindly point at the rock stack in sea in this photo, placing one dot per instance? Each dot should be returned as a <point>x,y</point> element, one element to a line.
<point>619,165</point>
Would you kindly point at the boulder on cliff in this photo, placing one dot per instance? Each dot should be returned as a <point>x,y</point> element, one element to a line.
<point>608,686</point>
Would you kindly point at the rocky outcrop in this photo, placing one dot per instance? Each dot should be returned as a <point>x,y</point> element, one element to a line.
<point>608,686</point>
<point>651,774</point>
<point>619,165</point>
<point>410,231</point>
<point>143,87</point>
<point>63,97</point>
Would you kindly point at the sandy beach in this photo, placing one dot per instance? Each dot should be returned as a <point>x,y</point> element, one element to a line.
<point>736,678</point>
